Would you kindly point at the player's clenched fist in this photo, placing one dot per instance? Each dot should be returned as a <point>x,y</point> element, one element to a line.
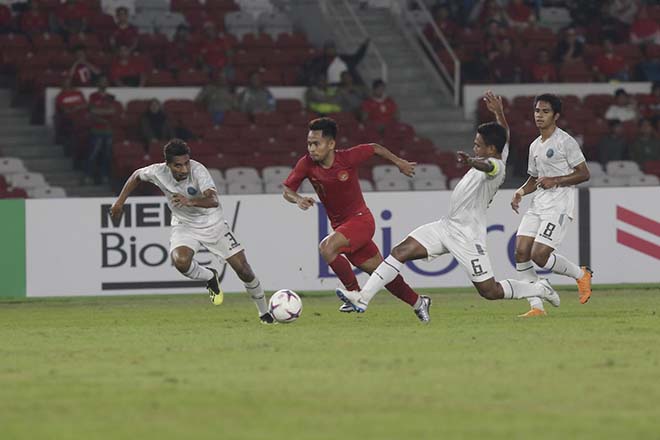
<point>515,201</point>
<point>179,200</point>
<point>116,210</point>
<point>305,203</point>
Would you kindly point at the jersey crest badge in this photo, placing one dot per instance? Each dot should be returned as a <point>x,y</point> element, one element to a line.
<point>343,176</point>
<point>550,152</point>
<point>192,191</point>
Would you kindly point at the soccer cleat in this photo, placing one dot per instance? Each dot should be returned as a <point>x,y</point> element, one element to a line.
<point>423,311</point>
<point>550,294</point>
<point>345,308</point>
<point>532,313</point>
<point>352,299</point>
<point>215,292</point>
<point>584,284</point>
<point>267,318</point>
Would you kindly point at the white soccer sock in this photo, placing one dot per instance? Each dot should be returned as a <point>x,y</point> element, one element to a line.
<point>514,289</point>
<point>384,274</point>
<point>561,265</point>
<point>526,272</point>
<point>256,292</point>
<point>197,272</point>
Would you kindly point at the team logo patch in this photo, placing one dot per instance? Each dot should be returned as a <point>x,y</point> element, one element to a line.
<point>342,176</point>
<point>550,152</point>
<point>192,191</point>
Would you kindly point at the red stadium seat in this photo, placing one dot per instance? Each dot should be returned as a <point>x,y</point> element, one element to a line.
<point>576,71</point>
<point>292,134</point>
<point>222,134</point>
<point>160,78</point>
<point>234,118</point>
<point>192,78</point>
<point>652,167</point>
<point>598,103</point>
<point>137,106</point>
<point>198,122</point>
<point>185,5</point>
<point>179,106</point>
<point>256,134</point>
<point>203,147</point>
<point>47,41</point>
<point>272,77</point>
<point>271,119</point>
<point>90,41</point>
<point>301,118</point>
<point>251,42</point>
<point>14,193</point>
<point>288,105</point>
<point>248,58</point>
<point>294,40</point>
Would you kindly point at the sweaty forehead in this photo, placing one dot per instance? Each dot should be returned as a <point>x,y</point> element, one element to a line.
<point>315,135</point>
<point>543,105</point>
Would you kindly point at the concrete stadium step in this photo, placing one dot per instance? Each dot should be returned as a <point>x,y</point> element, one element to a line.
<point>33,151</point>
<point>66,179</point>
<point>19,129</point>
<point>51,164</point>
<point>13,112</point>
<point>89,191</point>
<point>26,139</point>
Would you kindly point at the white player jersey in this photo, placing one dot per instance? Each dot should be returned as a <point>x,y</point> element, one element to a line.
<point>471,198</point>
<point>557,156</point>
<point>198,181</point>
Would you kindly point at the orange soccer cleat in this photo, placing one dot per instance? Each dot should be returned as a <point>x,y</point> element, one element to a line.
<point>584,284</point>
<point>532,313</point>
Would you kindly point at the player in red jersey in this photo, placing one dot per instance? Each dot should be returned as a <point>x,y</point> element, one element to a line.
<point>333,173</point>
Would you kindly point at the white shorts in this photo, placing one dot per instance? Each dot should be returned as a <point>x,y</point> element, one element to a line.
<point>224,246</point>
<point>549,230</point>
<point>438,240</point>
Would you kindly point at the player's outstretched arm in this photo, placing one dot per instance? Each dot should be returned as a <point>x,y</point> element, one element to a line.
<point>130,185</point>
<point>292,196</point>
<point>407,168</point>
<point>480,164</point>
<point>528,187</point>
<point>210,200</point>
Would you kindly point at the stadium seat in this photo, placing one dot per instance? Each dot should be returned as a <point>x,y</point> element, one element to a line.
<point>242,174</point>
<point>47,192</point>
<point>11,165</point>
<point>274,23</point>
<point>652,167</point>
<point>217,176</point>
<point>595,168</point>
<point>244,188</point>
<point>608,181</point>
<point>306,187</point>
<point>26,180</point>
<point>429,184</point>
<point>391,172</point>
<point>13,193</point>
<point>275,173</point>
<point>644,180</point>
<point>428,171</point>
<point>240,23</point>
<point>274,187</point>
<point>366,185</point>
<point>453,182</point>
<point>622,168</point>
<point>392,185</point>
<point>160,78</point>
<point>288,105</point>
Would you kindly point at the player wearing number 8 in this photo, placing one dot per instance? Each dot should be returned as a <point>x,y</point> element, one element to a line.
<point>555,165</point>
<point>197,220</point>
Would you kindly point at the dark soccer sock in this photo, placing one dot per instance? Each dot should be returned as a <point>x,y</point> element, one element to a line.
<point>399,288</point>
<point>344,271</point>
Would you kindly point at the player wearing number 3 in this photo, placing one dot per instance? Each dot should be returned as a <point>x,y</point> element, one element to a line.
<point>555,165</point>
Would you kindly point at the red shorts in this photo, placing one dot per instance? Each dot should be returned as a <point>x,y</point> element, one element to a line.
<point>359,231</point>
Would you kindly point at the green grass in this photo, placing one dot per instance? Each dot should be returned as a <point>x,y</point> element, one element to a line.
<point>173,367</point>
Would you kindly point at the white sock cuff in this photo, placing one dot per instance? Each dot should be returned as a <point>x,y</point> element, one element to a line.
<point>393,263</point>
<point>550,264</point>
<point>252,284</point>
<point>507,288</point>
<point>525,265</point>
<point>191,270</point>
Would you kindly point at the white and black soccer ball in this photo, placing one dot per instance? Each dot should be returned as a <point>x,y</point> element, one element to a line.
<point>285,305</point>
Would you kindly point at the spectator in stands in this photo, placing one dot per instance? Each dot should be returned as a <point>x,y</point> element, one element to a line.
<point>127,71</point>
<point>543,70</point>
<point>34,19</point>
<point>6,22</point>
<point>519,14</point>
<point>330,64</point>
<point>653,108</point>
<point>644,29</point>
<point>504,64</point>
<point>349,94</point>
<point>102,108</point>
<point>610,66</point>
<point>83,72</point>
<point>218,97</point>
<point>613,145</point>
<point>444,24</point>
<point>71,18</point>
<point>570,48</point>
<point>648,69</point>
<point>380,109</point>
<point>321,98</point>
<point>215,50</point>
<point>154,125</point>
<point>647,145</point>
<point>256,98</point>
<point>125,34</point>
<point>485,11</point>
<point>69,102</point>
<point>182,53</point>
<point>623,109</point>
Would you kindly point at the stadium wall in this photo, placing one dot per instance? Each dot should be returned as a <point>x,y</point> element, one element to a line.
<point>73,248</point>
<point>126,94</point>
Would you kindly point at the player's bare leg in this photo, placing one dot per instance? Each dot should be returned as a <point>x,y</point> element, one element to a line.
<point>527,272</point>
<point>514,289</point>
<point>182,257</point>
<point>240,265</point>
<point>330,249</point>
<point>546,257</point>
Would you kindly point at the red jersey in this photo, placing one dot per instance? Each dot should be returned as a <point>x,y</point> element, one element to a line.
<point>126,36</point>
<point>610,65</point>
<point>380,112</point>
<point>338,187</point>
<point>103,101</point>
<point>82,75</point>
<point>5,16</point>
<point>132,68</point>
<point>34,21</point>
<point>68,99</point>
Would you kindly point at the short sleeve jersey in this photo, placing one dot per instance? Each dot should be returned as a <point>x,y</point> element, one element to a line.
<point>198,181</point>
<point>338,187</point>
<point>471,198</point>
<point>557,156</point>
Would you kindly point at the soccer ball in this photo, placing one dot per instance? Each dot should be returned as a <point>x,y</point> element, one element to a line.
<point>285,306</point>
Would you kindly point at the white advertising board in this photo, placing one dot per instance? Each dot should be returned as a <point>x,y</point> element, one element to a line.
<point>625,234</point>
<point>73,248</point>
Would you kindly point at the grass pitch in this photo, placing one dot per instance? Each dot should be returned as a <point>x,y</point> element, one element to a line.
<point>173,367</point>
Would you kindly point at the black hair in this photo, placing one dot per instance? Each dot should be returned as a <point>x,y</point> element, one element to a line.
<point>377,83</point>
<point>175,147</point>
<point>121,8</point>
<point>619,92</point>
<point>614,123</point>
<point>493,134</point>
<point>553,100</point>
<point>641,122</point>
<point>328,127</point>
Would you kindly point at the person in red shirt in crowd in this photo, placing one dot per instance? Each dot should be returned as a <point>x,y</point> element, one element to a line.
<point>486,10</point>
<point>444,24</point>
<point>644,29</point>
<point>127,71</point>
<point>543,70</point>
<point>83,72</point>
<point>34,20</point>
<point>182,51</point>
<point>125,34</point>
<point>334,176</point>
<point>609,65</point>
<point>380,109</point>
<point>69,103</point>
<point>6,20</point>
<point>102,108</point>
<point>520,15</point>
<point>71,18</point>
<point>215,50</point>
<point>504,64</point>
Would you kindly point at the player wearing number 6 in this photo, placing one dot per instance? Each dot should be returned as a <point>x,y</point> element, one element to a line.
<point>197,220</point>
<point>555,165</point>
<point>462,233</point>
